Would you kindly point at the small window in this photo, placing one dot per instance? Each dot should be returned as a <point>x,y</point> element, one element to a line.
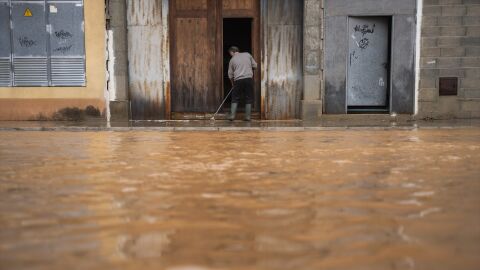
<point>448,86</point>
<point>44,43</point>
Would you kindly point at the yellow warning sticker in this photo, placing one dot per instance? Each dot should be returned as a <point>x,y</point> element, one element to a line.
<point>28,13</point>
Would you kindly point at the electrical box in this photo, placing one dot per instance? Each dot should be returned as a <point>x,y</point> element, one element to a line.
<point>67,47</point>
<point>5,45</point>
<point>47,43</point>
<point>30,67</point>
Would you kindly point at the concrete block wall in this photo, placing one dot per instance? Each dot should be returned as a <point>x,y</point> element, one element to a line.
<point>450,47</point>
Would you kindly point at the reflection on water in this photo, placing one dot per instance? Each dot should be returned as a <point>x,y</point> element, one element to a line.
<point>253,200</point>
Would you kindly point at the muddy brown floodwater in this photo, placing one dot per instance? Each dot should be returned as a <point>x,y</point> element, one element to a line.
<point>247,200</point>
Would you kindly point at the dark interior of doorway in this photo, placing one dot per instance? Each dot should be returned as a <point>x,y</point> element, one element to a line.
<point>376,109</point>
<point>236,32</point>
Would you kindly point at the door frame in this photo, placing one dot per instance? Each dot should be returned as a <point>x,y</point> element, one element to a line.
<point>257,49</point>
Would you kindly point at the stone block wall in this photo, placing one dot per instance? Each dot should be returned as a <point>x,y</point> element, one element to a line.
<point>117,60</point>
<point>313,48</point>
<point>450,47</point>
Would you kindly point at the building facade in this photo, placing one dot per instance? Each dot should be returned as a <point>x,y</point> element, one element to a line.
<point>52,59</point>
<point>450,60</point>
<point>166,59</point>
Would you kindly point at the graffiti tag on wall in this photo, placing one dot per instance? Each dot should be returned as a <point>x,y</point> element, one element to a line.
<point>62,34</point>
<point>63,49</point>
<point>26,42</point>
<point>361,38</point>
<point>64,38</point>
<point>363,30</point>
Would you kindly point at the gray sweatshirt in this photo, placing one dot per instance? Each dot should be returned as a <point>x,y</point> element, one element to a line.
<point>241,66</point>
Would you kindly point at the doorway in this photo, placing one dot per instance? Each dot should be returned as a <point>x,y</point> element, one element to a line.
<point>368,72</point>
<point>198,52</point>
<point>236,32</point>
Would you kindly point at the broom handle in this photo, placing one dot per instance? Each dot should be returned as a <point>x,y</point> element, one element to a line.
<point>219,108</point>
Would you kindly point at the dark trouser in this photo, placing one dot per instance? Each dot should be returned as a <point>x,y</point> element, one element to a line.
<point>243,87</point>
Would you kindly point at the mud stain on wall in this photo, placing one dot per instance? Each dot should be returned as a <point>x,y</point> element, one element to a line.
<point>51,109</point>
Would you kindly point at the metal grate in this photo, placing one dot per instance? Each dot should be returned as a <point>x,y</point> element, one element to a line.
<point>5,72</point>
<point>68,72</point>
<point>448,86</point>
<point>30,72</point>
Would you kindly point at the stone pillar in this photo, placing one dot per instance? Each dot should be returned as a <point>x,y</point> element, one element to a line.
<point>311,107</point>
<point>117,60</point>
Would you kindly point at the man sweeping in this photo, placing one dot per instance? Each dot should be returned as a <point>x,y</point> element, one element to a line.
<point>240,72</point>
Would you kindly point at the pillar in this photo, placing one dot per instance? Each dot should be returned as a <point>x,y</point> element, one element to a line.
<point>311,105</point>
<point>117,61</point>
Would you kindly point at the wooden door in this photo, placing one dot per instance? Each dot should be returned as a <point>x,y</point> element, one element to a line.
<point>195,82</point>
<point>240,8</point>
<point>196,46</point>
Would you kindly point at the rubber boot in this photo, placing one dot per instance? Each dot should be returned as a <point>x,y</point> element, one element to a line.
<point>248,113</point>
<point>233,111</point>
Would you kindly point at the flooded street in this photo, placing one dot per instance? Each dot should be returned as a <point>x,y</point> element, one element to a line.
<point>343,199</point>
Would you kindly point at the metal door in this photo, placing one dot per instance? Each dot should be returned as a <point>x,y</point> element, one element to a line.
<point>5,45</point>
<point>368,62</point>
<point>67,47</point>
<point>195,82</point>
<point>29,43</point>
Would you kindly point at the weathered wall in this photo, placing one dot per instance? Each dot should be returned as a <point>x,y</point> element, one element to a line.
<point>403,51</point>
<point>283,46</point>
<point>148,56</point>
<point>282,65</point>
<point>450,48</point>
<point>311,106</point>
<point>31,103</point>
<point>117,60</point>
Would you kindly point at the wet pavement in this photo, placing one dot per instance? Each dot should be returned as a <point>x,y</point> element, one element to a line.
<point>335,199</point>
<point>331,122</point>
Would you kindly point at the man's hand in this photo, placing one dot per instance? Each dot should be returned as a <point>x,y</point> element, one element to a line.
<point>232,82</point>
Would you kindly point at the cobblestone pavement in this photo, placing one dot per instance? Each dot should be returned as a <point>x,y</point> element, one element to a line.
<point>333,199</point>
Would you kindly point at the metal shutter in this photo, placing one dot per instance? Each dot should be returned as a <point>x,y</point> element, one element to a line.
<point>67,47</point>
<point>5,45</point>
<point>29,43</point>
<point>42,43</point>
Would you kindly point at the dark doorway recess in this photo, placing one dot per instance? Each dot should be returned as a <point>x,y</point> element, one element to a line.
<point>236,32</point>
